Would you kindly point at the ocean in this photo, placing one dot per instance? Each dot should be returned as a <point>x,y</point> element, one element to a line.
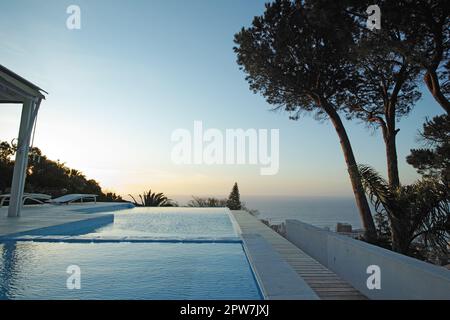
<point>323,212</point>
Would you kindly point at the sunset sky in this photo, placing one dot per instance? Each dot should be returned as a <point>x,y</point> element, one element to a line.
<point>138,70</point>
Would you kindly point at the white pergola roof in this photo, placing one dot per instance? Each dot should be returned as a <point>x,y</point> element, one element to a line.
<point>15,89</point>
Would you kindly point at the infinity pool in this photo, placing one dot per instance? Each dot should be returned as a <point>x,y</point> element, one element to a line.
<point>170,223</point>
<point>214,268</point>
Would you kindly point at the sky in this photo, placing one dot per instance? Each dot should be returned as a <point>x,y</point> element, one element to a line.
<point>138,70</point>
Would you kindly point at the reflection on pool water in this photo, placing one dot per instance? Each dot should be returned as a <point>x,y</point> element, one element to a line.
<point>123,270</point>
<point>169,223</point>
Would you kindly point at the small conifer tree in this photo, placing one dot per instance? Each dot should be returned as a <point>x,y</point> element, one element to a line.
<point>234,201</point>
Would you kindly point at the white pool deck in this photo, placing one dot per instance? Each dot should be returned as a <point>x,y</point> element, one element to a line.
<point>34,217</point>
<point>282,270</point>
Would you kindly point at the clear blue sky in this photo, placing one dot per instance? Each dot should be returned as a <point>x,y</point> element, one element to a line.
<point>137,70</point>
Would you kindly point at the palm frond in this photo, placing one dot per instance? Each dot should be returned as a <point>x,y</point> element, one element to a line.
<point>377,189</point>
<point>153,199</point>
<point>418,214</point>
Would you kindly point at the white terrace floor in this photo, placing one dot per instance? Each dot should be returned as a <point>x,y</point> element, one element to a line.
<point>48,215</point>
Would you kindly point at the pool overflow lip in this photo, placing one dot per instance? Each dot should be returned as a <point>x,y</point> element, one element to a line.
<point>236,227</point>
<point>238,230</point>
<point>71,239</point>
<point>257,280</point>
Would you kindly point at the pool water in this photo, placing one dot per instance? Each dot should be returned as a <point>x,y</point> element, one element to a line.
<point>126,271</point>
<point>145,270</point>
<point>169,223</point>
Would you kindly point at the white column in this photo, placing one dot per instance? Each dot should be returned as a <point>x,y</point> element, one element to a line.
<point>29,112</point>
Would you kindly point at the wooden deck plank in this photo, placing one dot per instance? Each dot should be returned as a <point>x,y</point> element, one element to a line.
<point>323,281</point>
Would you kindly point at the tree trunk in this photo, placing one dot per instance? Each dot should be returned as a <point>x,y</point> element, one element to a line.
<point>355,178</point>
<point>400,243</point>
<point>389,136</point>
<point>396,242</point>
<point>432,82</point>
<point>392,162</point>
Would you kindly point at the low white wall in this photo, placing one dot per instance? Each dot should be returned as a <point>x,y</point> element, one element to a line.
<point>402,277</point>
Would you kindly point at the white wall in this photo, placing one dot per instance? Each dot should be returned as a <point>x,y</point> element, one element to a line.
<point>402,277</point>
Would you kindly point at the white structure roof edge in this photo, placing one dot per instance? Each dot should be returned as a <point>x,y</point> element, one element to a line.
<point>15,89</point>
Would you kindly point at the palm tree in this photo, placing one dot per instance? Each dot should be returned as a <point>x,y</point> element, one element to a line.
<point>153,199</point>
<point>418,214</point>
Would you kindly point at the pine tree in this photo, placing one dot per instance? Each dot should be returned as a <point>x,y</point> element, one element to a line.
<point>433,161</point>
<point>234,201</point>
<point>299,63</point>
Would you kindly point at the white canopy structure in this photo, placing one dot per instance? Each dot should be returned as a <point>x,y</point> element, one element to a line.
<point>15,89</point>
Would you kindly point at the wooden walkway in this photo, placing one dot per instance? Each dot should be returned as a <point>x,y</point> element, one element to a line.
<point>326,284</point>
